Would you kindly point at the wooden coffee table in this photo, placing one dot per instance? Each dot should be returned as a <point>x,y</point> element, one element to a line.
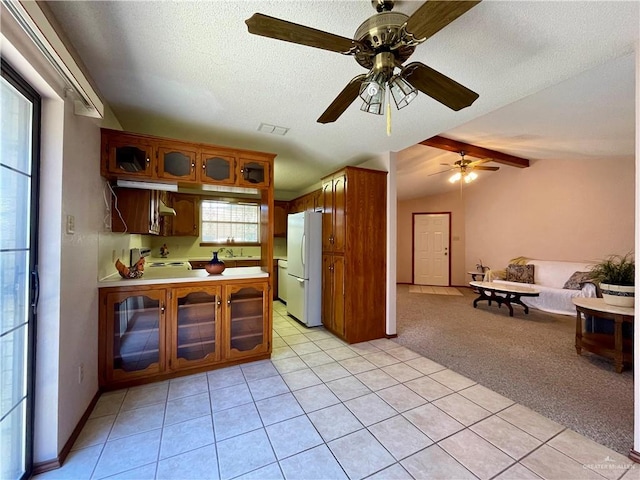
<point>502,293</point>
<point>612,346</point>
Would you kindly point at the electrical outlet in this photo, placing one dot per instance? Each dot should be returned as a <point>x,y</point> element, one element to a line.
<point>80,373</point>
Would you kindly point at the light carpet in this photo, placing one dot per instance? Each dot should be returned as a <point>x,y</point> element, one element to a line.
<point>529,358</point>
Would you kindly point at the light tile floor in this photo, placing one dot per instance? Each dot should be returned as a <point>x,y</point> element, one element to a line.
<point>322,409</point>
<point>434,290</point>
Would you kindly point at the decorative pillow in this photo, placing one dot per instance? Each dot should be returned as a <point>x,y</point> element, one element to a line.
<point>520,273</point>
<point>577,280</point>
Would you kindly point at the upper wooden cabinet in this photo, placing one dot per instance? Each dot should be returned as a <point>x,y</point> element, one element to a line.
<point>136,211</point>
<point>187,220</point>
<point>280,210</point>
<point>217,167</point>
<point>253,172</point>
<point>309,202</point>
<point>177,162</point>
<point>145,157</point>
<point>128,155</point>
<point>334,210</point>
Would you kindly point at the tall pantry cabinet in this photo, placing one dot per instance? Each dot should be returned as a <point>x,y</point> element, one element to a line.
<point>354,253</point>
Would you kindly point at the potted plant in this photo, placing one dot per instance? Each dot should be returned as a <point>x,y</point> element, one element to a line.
<point>616,275</point>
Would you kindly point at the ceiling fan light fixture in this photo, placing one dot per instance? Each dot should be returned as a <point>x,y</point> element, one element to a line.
<point>372,93</point>
<point>467,177</point>
<point>401,91</point>
<point>455,177</point>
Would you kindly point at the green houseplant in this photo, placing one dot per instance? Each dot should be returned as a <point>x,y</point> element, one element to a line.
<point>616,275</point>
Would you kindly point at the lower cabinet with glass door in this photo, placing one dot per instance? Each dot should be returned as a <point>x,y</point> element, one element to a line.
<point>155,333</point>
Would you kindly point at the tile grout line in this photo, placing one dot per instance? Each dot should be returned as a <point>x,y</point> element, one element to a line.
<point>359,354</point>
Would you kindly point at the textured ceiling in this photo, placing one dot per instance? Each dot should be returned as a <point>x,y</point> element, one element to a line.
<point>191,70</point>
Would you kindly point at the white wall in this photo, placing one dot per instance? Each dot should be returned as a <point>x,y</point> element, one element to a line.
<point>636,333</point>
<point>81,198</point>
<point>443,203</point>
<point>553,210</point>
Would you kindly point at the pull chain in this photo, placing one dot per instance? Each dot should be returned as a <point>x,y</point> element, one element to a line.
<point>388,117</point>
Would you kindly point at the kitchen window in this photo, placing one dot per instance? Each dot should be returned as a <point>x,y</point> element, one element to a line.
<point>228,222</point>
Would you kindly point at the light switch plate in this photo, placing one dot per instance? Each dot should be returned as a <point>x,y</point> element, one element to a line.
<point>71,224</point>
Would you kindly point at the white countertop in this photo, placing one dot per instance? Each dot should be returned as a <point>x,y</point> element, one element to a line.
<point>204,258</point>
<point>178,275</point>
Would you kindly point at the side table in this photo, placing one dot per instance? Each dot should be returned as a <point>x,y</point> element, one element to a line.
<point>476,276</point>
<point>611,346</point>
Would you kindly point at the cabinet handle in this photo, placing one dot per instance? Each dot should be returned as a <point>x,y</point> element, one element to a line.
<point>162,308</point>
<point>218,301</point>
<point>193,165</point>
<point>148,161</point>
<point>203,165</point>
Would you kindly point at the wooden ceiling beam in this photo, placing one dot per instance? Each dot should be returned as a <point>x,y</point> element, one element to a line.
<point>474,151</point>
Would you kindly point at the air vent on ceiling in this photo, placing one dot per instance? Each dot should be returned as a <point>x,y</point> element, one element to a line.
<point>273,129</point>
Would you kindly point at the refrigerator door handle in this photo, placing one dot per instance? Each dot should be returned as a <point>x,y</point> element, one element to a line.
<point>302,249</point>
<point>300,280</point>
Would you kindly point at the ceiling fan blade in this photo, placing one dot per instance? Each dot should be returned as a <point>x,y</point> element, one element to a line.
<point>271,27</point>
<point>492,169</point>
<point>434,15</point>
<point>439,86</point>
<point>342,101</point>
<point>438,173</point>
<point>478,162</point>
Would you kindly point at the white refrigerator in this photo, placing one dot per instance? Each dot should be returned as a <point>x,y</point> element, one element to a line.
<point>304,272</point>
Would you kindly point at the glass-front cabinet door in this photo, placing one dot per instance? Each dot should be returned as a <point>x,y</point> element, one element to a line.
<point>253,173</point>
<point>247,319</point>
<point>196,331</point>
<point>217,167</point>
<point>135,334</point>
<point>177,163</point>
<point>130,156</point>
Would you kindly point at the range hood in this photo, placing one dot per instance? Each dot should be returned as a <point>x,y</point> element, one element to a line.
<point>164,210</point>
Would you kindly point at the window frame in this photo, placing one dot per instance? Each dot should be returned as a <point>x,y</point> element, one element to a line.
<point>205,243</point>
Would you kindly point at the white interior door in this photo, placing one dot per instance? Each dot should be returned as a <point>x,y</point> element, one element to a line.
<point>431,249</point>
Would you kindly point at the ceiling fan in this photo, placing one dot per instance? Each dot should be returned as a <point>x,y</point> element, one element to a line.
<point>465,169</point>
<point>381,44</point>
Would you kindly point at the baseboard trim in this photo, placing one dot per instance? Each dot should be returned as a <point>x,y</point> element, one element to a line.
<point>42,467</point>
<point>635,456</point>
<point>57,462</point>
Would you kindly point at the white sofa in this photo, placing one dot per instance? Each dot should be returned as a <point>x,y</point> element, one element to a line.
<point>549,277</point>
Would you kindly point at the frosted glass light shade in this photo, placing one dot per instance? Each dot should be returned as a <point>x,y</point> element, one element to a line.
<point>401,91</point>
<point>372,92</point>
